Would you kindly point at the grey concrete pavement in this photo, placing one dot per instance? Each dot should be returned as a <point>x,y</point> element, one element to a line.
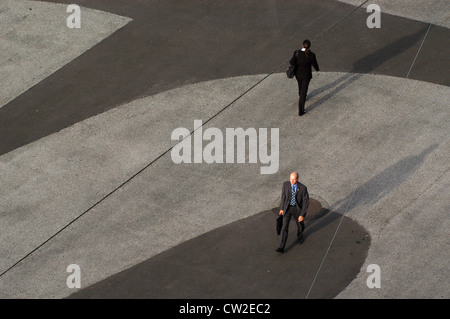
<point>372,146</point>
<point>35,41</point>
<point>174,43</point>
<point>139,220</point>
<point>421,10</point>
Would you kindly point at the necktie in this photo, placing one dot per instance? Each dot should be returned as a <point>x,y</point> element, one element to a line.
<point>293,203</point>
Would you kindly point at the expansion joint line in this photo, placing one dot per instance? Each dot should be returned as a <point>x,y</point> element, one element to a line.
<point>168,150</point>
<point>366,165</point>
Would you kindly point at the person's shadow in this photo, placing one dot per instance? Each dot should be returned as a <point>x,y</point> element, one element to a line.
<point>363,66</point>
<point>371,192</point>
<point>382,184</point>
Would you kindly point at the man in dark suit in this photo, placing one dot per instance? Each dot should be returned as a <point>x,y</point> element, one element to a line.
<point>303,60</point>
<point>294,202</point>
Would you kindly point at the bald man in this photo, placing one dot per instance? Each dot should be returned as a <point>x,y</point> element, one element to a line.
<point>294,202</point>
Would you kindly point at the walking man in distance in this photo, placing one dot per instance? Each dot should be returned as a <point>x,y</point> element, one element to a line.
<point>303,60</point>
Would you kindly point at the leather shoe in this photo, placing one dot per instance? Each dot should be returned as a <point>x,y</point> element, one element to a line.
<point>301,113</point>
<point>280,250</point>
<point>300,241</point>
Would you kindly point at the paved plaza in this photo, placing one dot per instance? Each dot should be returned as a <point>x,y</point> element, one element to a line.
<point>87,170</point>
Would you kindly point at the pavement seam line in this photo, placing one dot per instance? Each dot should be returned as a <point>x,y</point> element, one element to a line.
<point>168,150</point>
<point>364,169</point>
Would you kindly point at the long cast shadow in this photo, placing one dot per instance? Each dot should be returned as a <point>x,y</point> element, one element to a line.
<point>384,183</point>
<point>367,64</point>
<point>372,191</point>
<point>238,260</point>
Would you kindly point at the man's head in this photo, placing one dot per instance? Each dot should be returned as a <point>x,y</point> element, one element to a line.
<point>293,178</point>
<point>306,44</point>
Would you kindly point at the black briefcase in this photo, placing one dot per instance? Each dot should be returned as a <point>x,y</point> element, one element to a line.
<point>290,72</point>
<point>279,224</point>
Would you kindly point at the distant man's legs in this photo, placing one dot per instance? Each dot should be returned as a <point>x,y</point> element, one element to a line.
<point>302,92</point>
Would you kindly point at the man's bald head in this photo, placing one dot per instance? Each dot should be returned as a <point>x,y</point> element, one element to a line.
<point>293,178</point>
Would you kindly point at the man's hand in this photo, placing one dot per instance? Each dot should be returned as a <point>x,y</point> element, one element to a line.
<point>300,219</point>
<point>281,213</point>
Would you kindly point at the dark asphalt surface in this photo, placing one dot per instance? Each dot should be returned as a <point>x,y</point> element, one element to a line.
<point>173,43</point>
<point>239,261</point>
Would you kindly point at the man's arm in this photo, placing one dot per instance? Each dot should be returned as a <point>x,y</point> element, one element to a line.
<point>293,60</point>
<point>283,199</point>
<point>315,64</point>
<point>305,203</point>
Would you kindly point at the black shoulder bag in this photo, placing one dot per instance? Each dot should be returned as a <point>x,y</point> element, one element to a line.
<point>290,72</point>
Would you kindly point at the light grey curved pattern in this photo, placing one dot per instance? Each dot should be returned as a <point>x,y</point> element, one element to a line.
<point>420,10</point>
<point>53,180</point>
<point>35,41</point>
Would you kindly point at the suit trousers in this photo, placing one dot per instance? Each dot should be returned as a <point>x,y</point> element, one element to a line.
<point>302,91</point>
<point>291,211</point>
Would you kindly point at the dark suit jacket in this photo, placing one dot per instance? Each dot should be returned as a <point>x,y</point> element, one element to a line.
<point>301,197</point>
<point>303,64</point>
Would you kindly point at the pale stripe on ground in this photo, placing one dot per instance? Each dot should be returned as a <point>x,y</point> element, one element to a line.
<point>35,41</point>
<point>429,11</point>
<point>400,200</point>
